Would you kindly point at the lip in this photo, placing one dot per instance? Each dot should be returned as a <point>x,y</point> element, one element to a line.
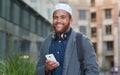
<point>59,25</point>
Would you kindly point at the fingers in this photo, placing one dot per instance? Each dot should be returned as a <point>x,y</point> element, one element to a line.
<point>50,65</point>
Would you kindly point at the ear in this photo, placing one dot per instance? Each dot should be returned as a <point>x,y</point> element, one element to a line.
<point>71,20</point>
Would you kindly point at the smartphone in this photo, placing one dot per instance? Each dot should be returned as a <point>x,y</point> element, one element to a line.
<point>51,57</point>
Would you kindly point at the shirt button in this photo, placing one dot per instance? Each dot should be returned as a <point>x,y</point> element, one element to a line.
<point>58,52</point>
<point>59,41</point>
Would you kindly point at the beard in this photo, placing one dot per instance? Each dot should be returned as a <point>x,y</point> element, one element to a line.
<point>61,27</point>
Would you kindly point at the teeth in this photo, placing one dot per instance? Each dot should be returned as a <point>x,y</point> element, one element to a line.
<point>59,25</point>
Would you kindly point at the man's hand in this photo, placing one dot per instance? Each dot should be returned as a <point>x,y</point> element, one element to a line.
<point>50,65</point>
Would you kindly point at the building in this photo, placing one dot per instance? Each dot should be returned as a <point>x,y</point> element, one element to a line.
<point>22,29</point>
<point>44,7</point>
<point>99,20</point>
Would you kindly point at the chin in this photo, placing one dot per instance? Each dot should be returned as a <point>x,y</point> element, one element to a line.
<point>58,31</point>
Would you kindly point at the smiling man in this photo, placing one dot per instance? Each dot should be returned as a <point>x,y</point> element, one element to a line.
<point>62,45</point>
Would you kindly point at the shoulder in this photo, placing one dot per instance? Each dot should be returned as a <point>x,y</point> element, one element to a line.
<point>84,38</point>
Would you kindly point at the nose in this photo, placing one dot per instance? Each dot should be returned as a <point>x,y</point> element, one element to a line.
<point>58,20</point>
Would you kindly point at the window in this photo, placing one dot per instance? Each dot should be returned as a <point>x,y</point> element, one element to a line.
<point>0,7</point>
<point>16,45</point>
<point>3,8</point>
<point>83,29</point>
<point>15,13</point>
<point>39,29</point>
<point>109,45</point>
<point>9,44</point>
<point>32,23</point>
<point>92,2</point>
<point>93,17</point>
<point>25,46</point>
<point>82,14</point>
<point>25,19</point>
<point>108,29</point>
<point>107,13</point>
<point>93,32</point>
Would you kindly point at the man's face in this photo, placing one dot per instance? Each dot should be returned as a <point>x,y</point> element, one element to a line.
<point>61,21</point>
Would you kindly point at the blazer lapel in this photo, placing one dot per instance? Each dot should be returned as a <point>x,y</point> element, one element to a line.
<point>68,52</point>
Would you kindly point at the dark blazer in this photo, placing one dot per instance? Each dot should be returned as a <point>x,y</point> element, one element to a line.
<point>71,63</point>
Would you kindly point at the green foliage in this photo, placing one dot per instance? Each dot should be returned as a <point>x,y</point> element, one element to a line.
<point>16,65</point>
<point>104,69</point>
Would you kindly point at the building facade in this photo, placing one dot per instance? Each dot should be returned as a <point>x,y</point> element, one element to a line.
<point>21,29</point>
<point>99,20</point>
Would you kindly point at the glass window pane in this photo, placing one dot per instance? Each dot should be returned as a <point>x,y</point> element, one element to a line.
<point>82,14</point>
<point>16,13</point>
<point>25,46</point>
<point>8,9</point>
<point>93,17</point>
<point>32,23</point>
<point>25,19</point>
<point>108,29</point>
<point>39,27</point>
<point>3,8</point>
<point>83,29</point>
<point>108,13</point>
<point>109,45</point>
<point>0,6</point>
<point>92,2</point>
<point>93,32</point>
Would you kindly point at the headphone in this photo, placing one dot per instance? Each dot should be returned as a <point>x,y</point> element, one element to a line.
<point>62,36</point>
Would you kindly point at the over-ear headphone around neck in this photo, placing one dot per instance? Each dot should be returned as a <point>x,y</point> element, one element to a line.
<point>62,36</point>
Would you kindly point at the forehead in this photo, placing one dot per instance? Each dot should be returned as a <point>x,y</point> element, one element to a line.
<point>60,12</point>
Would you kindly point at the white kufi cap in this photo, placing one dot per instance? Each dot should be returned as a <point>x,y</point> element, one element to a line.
<point>63,6</point>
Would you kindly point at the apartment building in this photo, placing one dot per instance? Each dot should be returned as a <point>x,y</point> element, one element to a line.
<point>99,20</point>
<point>107,26</point>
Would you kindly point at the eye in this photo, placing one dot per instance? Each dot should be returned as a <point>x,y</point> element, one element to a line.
<point>63,17</point>
<point>54,17</point>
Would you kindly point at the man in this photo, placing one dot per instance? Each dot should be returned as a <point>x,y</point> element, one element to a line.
<point>61,43</point>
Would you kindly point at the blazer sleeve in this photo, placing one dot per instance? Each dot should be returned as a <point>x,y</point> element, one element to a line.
<point>90,63</point>
<point>40,65</point>
<point>40,68</point>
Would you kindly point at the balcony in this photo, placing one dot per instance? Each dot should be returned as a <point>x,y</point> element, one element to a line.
<point>108,53</point>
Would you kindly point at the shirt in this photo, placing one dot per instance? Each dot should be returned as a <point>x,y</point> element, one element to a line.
<point>57,48</point>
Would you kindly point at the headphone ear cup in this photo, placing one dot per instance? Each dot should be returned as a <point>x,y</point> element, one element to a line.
<point>65,35</point>
<point>62,36</point>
